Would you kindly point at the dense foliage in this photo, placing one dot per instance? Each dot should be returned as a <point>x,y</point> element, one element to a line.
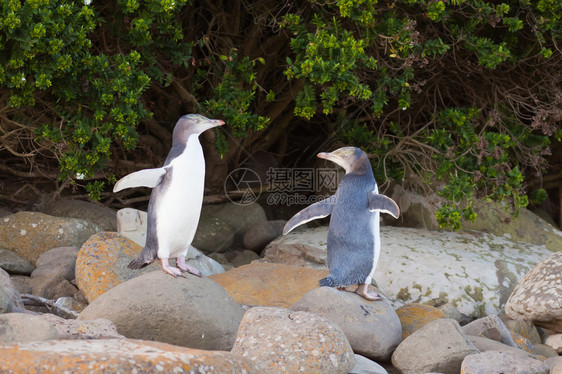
<point>459,96</point>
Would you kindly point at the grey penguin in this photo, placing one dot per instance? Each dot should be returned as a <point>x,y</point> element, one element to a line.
<point>353,235</point>
<point>176,199</point>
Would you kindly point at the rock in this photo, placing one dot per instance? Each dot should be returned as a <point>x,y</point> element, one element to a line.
<point>14,264</point>
<point>522,342</point>
<point>371,327</point>
<point>414,316</point>
<point>193,312</point>
<point>538,296</point>
<point>554,364</point>
<point>365,366</point>
<point>555,342</point>
<point>239,217</point>
<point>415,210</point>
<point>439,346</point>
<point>4,212</point>
<point>485,344</point>
<point>277,340</point>
<point>527,227</point>
<point>269,284</point>
<point>102,263</point>
<point>295,254</point>
<point>243,258</point>
<point>71,304</point>
<point>99,215</point>
<point>452,312</point>
<point>9,296</point>
<point>72,329</point>
<point>490,327</point>
<point>116,356</point>
<point>523,328</point>
<point>29,234</point>
<point>23,328</point>
<point>502,362</point>
<point>132,224</point>
<point>443,267</point>
<point>542,351</point>
<point>53,286</point>
<point>21,284</point>
<point>57,261</point>
<point>213,235</point>
<point>261,233</point>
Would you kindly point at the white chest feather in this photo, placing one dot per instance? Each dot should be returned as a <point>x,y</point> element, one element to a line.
<point>179,207</point>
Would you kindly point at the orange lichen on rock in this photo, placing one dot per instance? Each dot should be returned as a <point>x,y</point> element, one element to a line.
<point>102,263</point>
<point>414,316</point>
<point>266,284</point>
<point>115,356</point>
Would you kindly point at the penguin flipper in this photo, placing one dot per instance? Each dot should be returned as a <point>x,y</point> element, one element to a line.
<point>383,204</point>
<point>142,178</point>
<point>317,210</point>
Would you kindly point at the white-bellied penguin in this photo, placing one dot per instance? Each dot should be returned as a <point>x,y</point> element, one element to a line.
<point>176,199</point>
<point>353,236</point>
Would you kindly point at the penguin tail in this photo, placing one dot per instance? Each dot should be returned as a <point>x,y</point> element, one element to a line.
<point>327,282</point>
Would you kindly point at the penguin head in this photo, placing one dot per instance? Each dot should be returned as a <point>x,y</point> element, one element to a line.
<point>192,124</point>
<point>352,159</point>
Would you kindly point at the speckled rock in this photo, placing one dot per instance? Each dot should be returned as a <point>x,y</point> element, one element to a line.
<point>213,235</point>
<point>277,340</point>
<point>261,233</point>
<point>14,264</point>
<point>192,312</point>
<point>502,362</point>
<point>98,214</point>
<point>29,234</point>
<point>490,327</point>
<point>443,267</point>
<point>269,284</point>
<point>538,297</point>
<point>371,327</point>
<point>485,344</point>
<point>414,316</point>
<point>73,329</point>
<point>19,327</point>
<point>439,346</point>
<point>523,328</point>
<point>116,356</point>
<point>365,366</point>
<point>103,259</point>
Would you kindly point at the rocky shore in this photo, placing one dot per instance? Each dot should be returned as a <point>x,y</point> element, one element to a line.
<point>478,301</point>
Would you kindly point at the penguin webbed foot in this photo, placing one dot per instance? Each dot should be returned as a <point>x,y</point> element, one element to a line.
<point>180,262</point>
<point>363,291</point>
<point>172,270</point>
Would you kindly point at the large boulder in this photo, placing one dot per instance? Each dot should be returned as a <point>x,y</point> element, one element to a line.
<point>29,234</point>
<point>371,327</point>
<point>414,316</point>
<point>102,263</point>
<point>527,227</point>
<point>239,217</point>
<point>192,312</point>
<point>116,356</point>
<point>441,267</point>
<point>213,235</point>
<point>98,214</point>
<point>538,297</point>
<point>439,347</point>
<point>502,362</point>
<point>277,340</point>
<point>23,328</point>
<point>269,284</point>
<point>14,264</point>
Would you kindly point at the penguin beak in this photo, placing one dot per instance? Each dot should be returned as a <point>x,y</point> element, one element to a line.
<point>330,156</point>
